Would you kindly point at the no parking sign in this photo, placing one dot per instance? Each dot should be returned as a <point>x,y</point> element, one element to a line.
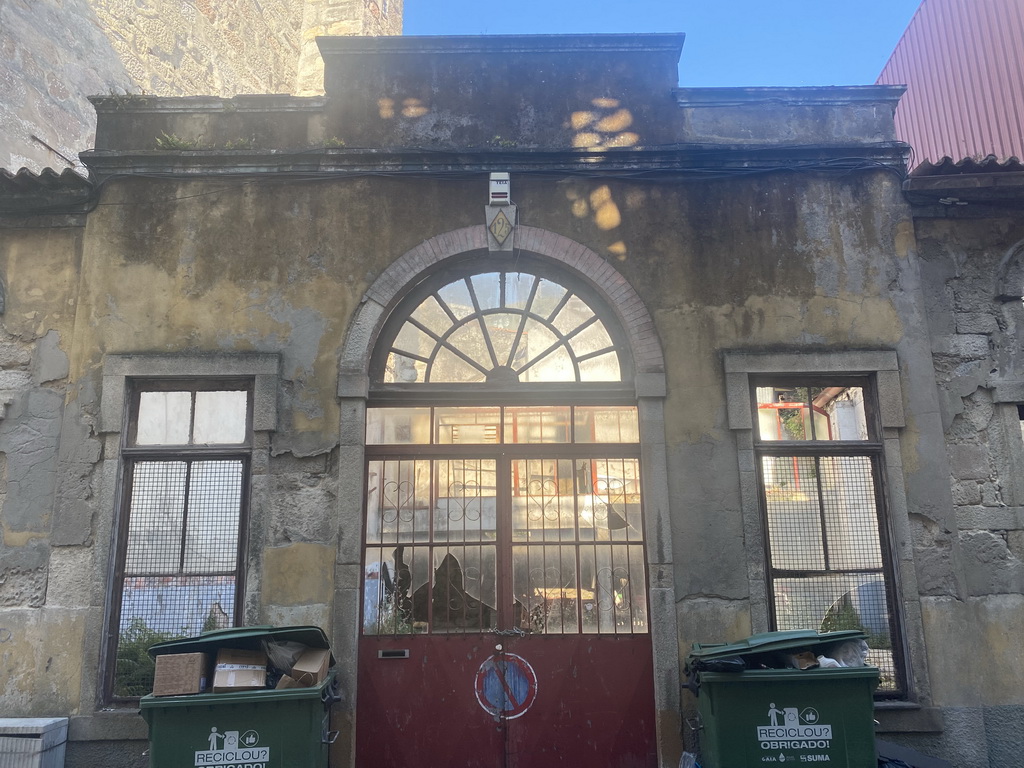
<point>506,686</point>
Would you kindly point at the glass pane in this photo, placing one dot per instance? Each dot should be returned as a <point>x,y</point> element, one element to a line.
<point>794,515</point>
<point>811,413</point>
<point>616,601</point>
<point>549,296</point>
<point>466,500</point>
<point>456,298</point>
<point>518,287</point>
<point>449,367</point>
<point>487,288</point>
<point>214,504</point>
<point>502,328</point>
<point>617,499</point>
<point>832,602</point>
<point>221,417</point>
<point>545,586</point>
<point>851,518</point>
<point>636,589</point>
<point>607,424</point>
<point>398,501</point>
<point>470,341</point>
<point>572,315</point>
<point>593,338</point>
<point>589,613</point>
<point>537,337</point>
<point>431,315</point>
<point>555,366</point>
<point>398,426</point>
<point>537,425</point>
<point>402,369</point>
<point>164,418</point>
<point>601,368</point>
<point>155,517</point>
<point>414,340</point>
<point>543,501</point>
<point>467,425</point>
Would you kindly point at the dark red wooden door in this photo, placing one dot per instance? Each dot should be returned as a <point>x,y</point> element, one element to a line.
<point>505,620</point>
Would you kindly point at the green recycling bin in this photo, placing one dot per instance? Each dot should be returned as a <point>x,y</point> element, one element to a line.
<point>764,716</point>
<point>263,728</point>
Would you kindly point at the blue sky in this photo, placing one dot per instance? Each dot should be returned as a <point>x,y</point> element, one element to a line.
<point>728,42</point>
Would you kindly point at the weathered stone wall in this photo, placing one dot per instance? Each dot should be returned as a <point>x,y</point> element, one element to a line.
<point>58,52</point>
<point>222,275</point>
<point>44,578</point>
<point>972,268</point>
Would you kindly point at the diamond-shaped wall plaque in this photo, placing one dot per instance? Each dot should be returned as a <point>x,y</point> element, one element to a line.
<point>501,224</point>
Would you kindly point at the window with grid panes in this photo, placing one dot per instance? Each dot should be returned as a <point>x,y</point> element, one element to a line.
<point>484,516</point>
<point>828,552</point>
<point>185,468</point>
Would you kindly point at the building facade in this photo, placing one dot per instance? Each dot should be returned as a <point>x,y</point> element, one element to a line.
<point>506,347</point>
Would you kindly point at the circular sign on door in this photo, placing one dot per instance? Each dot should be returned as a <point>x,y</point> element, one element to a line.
<point>506,686</point>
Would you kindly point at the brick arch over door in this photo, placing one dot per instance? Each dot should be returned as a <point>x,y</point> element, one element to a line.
<point>390,286</point>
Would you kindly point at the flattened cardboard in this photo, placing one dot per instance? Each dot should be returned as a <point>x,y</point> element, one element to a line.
<point>179,674</point>
<point>311,667</point>
<point>239,670</point>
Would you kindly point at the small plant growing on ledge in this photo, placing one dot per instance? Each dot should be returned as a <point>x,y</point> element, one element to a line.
<point>171,141</point>
<point>497,141</point>
<point>240,144</point>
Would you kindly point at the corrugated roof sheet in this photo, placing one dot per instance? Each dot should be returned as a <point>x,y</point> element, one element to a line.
<point>47,180</point>
<point>949,167</point>
<point>27,193</point>
<point>963,64</point>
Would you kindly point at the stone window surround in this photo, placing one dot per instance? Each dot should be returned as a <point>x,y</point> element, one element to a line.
<point>118,370</point>
<point>883,366</point>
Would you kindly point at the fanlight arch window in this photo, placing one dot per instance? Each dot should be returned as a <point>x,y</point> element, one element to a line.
<point>500,326</point>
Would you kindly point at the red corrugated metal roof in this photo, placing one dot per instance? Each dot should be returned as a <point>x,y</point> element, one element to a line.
<point>963,64</point>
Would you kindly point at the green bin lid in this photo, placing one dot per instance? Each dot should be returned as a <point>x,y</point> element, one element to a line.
<point>243,638</point>
<point>769,642</point>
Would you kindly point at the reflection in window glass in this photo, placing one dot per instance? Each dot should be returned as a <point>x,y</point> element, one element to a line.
<point>811,413</point>
<point>487,425</point>
<point>607,424</point>
<point>467,425</point>
<point>537,425</point>
<point>397,426</point>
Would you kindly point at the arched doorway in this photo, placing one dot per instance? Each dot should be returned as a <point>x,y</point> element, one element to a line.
<point>505,611</point>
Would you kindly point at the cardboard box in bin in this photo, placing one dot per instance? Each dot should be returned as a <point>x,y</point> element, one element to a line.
<point>180,674</point>
<point>239,670</point>
<point>311,667</point>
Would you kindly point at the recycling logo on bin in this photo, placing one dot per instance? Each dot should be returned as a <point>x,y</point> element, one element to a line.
<point>232,749</point>
<point>793,728</point>
<point>506,686</point>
